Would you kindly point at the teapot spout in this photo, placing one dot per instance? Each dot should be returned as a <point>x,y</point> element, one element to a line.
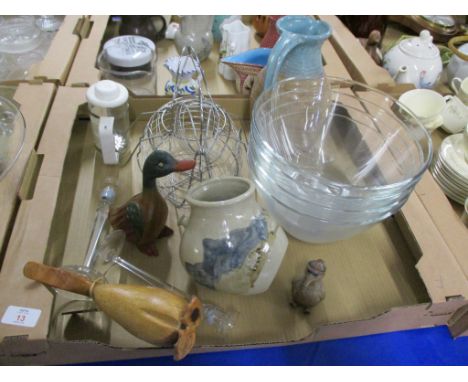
<point>402,75</point>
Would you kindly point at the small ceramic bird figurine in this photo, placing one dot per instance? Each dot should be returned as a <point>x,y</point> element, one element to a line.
<point>143,217</point>
<point>308,290</point>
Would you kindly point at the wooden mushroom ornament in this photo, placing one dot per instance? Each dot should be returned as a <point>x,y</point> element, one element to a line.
<point>143,217</point>
<point>152,314</point>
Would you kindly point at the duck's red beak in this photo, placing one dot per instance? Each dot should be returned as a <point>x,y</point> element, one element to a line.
<point>184,165</point>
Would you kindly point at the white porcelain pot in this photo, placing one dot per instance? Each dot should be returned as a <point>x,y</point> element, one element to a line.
<point>421,58</point>
<point>230,244</point>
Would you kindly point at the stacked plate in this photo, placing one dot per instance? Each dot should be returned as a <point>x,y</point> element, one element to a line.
<point>450,169</point>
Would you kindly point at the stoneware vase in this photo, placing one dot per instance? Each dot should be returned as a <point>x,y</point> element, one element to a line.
<point>230,244</point>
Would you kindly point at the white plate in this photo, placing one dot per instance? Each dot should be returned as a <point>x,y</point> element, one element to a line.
<point>447,189</point>
<point>451,152</point>
<point>449,193</point>
<point>456,181</point>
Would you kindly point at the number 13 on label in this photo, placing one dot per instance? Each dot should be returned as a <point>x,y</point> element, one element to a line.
<point>21,316</point>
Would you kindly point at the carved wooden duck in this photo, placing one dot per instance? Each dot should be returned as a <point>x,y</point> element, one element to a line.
<point>143,217</point>
<point>308,290</point>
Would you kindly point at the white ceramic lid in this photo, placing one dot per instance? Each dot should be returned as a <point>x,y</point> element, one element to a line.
<point>129,51</point>
<point>107,93</point>
<point>420,47</point>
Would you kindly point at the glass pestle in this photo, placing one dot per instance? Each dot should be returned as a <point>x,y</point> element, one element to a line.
<point>213,314</point>
<point>107,197</point>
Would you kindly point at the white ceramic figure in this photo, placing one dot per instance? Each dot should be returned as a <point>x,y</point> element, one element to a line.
<point>420,56</point>
<point>183,82</point>
<point>229,243</point>
<point>236,39</point>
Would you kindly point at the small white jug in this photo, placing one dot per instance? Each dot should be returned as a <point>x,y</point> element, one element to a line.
<point>236,39</point>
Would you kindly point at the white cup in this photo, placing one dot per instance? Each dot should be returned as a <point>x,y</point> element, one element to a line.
<point>427,105</point>
<point>455,115</point>
<point>460,87</point>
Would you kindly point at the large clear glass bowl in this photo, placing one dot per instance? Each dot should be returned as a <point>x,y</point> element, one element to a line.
<point>332,157</point>
<point>341,133</point>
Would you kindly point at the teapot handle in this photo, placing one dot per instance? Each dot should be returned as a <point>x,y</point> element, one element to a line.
<point>277,56</point>
<point>452,45</point>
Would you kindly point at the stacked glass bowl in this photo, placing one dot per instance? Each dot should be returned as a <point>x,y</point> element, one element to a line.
<point>330,157</point>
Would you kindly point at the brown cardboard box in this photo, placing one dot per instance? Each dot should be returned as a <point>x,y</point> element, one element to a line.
<point>84,71</point>
<point>35,102</point>
<point>58,60</point>
<point>400,274</point>
<point>407,272</point>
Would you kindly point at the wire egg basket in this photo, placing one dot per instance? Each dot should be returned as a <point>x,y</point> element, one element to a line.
<point>192,127</point>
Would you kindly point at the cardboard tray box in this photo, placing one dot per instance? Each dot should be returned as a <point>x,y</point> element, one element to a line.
<point>59,57</point>
<point>85,73</point>
<point>401,274</point>
<point>34,102</point>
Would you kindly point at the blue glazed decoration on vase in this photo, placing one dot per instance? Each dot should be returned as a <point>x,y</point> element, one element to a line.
<point>297,53</point>
<point>230,243</point>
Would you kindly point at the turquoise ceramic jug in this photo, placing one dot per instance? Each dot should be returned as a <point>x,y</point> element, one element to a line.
<point>297,52</point>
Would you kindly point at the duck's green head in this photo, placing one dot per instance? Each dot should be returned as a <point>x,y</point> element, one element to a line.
<point>161,163</point>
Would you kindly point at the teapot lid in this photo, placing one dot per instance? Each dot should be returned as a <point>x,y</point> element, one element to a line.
<point>420,47</point>
<point>129,51</point>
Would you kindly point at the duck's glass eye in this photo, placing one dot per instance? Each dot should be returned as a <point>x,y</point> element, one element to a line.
<point>161,164</point>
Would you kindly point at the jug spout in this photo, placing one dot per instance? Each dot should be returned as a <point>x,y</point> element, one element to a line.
<point>298,50</point>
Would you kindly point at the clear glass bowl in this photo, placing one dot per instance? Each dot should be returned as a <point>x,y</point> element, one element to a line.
<point>12,134</point>
<point>341,133</point>
<point>332,157</point>
<point>19,35</point>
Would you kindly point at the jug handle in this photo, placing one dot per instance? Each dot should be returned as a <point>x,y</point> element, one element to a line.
<point>162,33</point>
<point>278,54</point>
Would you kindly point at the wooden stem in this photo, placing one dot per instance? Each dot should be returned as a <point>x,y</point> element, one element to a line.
<point>58,278</point>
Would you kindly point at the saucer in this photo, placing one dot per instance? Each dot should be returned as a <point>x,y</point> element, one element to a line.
<point>452,154</point>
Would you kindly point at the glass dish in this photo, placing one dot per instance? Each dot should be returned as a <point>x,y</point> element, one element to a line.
<point>325,132</point>
<point>19,35</point>
<point>12,134</point>
<point>331,157</point>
